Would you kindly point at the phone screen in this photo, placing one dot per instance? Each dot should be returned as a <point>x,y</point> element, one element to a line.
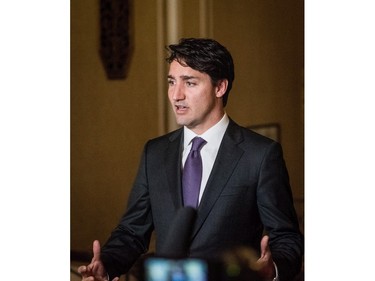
<point>162,269</point>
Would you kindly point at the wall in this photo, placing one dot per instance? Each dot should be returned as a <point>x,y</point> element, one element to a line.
<point>111,120</point>
<point>267,43</point>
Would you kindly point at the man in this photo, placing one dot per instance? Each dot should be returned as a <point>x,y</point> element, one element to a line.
<point>244,188</point>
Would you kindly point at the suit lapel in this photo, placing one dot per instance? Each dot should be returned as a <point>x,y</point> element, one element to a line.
<point>227,158</point>
<point>173,167</point>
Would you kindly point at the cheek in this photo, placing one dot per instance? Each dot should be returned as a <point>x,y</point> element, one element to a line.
<point>201,99</point>
<point>196,101</point>
<point>202,104</point>
<point>206,100</point>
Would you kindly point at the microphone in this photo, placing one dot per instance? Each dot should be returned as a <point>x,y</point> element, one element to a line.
<point>178,238</point>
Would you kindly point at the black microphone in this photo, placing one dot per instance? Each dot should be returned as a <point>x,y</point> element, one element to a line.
<point>178,238</point>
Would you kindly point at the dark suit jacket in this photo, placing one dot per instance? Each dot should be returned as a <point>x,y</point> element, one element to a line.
<point>248,192</point>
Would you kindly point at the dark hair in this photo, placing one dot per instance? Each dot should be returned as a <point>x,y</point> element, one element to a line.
<point>207,56</point>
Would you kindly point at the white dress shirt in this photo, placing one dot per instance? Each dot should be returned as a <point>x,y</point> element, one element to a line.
<point>213,137</point>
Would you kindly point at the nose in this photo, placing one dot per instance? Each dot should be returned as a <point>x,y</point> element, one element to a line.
<point>177,92</point>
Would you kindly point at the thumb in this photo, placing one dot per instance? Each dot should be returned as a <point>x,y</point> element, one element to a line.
<point>264,248</point>
<point>96,250</point>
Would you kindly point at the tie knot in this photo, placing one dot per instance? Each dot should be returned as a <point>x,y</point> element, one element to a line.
<point>197,143</point>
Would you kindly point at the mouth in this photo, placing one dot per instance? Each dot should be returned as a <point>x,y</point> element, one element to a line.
<point>180,108</point>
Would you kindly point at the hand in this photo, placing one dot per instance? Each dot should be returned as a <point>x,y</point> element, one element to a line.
<point>95,271</point>
<point>265,262</point>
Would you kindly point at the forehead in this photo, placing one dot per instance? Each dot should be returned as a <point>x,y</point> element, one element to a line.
<point>177,69</point>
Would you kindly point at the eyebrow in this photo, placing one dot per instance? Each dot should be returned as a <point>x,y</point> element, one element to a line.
<point>183,77</point>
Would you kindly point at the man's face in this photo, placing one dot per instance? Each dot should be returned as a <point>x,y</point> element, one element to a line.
<point>195,101</point>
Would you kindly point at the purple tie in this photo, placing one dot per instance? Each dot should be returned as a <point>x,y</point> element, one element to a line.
<point>192,174</point>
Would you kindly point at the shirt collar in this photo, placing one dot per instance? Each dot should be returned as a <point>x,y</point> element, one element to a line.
<point>213,135</point>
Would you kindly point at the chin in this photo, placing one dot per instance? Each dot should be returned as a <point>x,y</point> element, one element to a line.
<point>181,121</point>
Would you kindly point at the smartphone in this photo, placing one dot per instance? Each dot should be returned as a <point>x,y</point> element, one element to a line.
<point>164,269</point>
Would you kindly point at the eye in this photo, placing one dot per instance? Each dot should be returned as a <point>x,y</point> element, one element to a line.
<point>190,84</point>
<point>171,82</point>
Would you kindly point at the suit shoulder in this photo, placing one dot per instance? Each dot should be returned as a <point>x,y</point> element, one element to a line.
<point>253,142</point>
<point>165,139</point>
<point>248,135</point>
<point>256,137</point>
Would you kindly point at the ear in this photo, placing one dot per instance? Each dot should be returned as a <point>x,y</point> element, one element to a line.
<point>221,88</point>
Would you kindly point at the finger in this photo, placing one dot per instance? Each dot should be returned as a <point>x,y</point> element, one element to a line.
<point>82,270</point>
<point>96,251</point>
<point>264,245</point>
<point>116,279</point>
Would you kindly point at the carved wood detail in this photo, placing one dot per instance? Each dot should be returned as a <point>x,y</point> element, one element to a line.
<point>114,37</point>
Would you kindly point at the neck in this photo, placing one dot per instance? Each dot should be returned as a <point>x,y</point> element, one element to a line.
<point>202,128</point>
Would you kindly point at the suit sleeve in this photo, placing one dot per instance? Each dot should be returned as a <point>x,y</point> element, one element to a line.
<point>131,237</point>
<point>275,203</point>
